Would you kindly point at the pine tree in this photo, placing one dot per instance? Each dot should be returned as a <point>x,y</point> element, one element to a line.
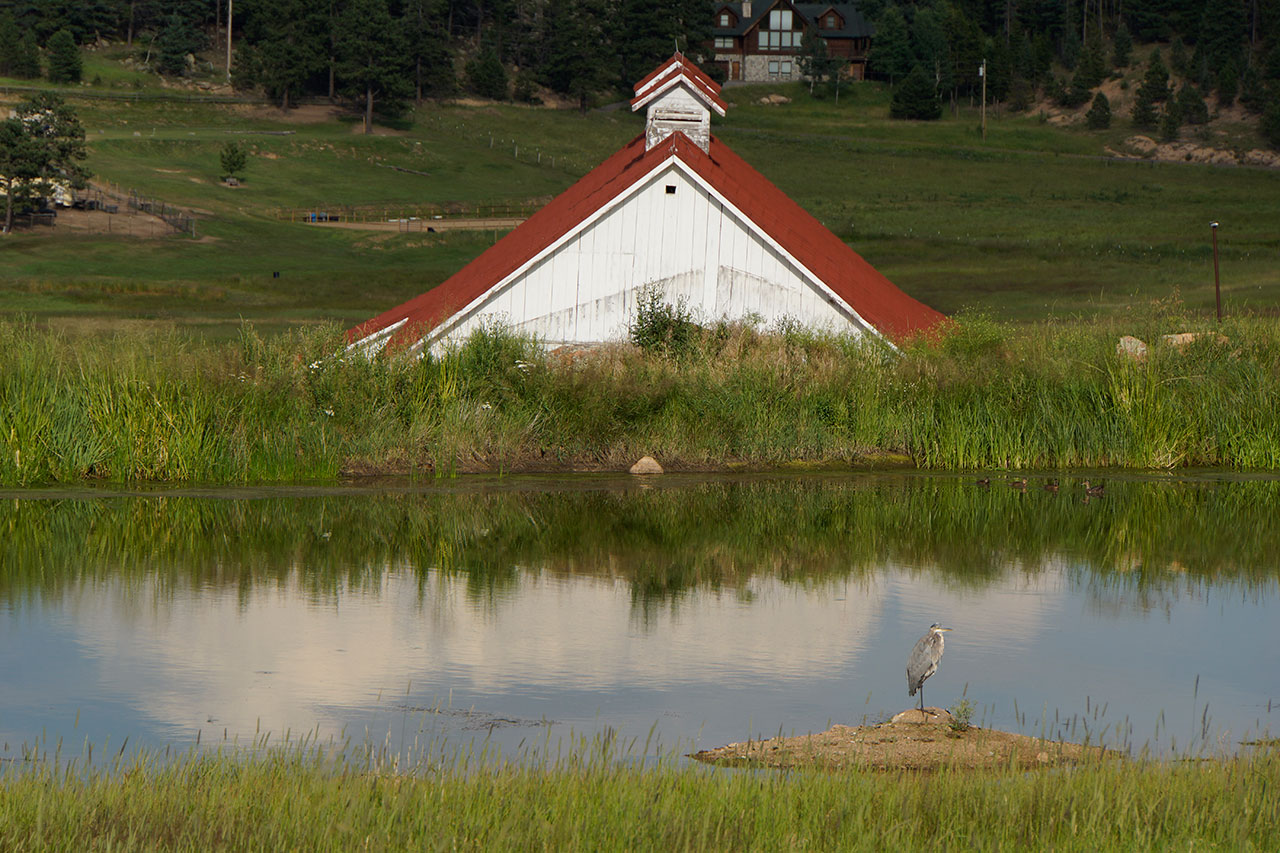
<point>1270,124</point>
<point>1155,85</point>
<point>1099,115</point>
<point>577,54</point>
<point>931,46</point>
<point>43,142</point>
<point>428,48</point>
<point>1170,121</point>
<point>9,39</point>
<point>1144,111</point>
<point>916,97</point>
<point>1191,105</point>
<point>178,39</point>
<point>1253,91</point>
<point>26,62</point>
<point>1178,57</point>
<point>891,54</point>
<point>371,57</point>
<point>486,76</point>
<point>1228,85</point>
<point>1092,68</point>
<point>286,38</point>
<point>65,63</point>
<point>1121,47</point>
<point>1221,34</point>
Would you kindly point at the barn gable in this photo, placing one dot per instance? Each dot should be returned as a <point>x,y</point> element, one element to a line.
<point>672,210</point>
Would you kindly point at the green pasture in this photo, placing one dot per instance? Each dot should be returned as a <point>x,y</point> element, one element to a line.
<point>1034,222</point>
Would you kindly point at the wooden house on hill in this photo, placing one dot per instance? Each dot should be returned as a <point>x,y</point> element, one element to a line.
<point>673,209</point>
<point>759,40</point>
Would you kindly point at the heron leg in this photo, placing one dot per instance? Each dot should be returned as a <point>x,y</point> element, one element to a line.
<point>922,697</point>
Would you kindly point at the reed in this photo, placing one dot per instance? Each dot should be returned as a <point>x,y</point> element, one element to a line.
<point>987,395</point>
<point>588,797</point>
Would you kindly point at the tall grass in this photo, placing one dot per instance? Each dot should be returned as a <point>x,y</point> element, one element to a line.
<point>586,798</point>
<point>986,395</point>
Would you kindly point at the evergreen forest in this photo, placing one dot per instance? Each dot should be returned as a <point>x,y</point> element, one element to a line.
<point>1199,56</point>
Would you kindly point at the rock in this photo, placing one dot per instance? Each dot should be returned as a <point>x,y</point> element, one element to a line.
<point>1142,144</point>
<point>1183,340</point>
<point>1131,348</point>
<point>771,100</point>
<point>1258,157</point>
<point>647,465</point>
<point>930,715</point>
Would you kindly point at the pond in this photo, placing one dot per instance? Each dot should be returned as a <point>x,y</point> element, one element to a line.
<point>690,611</point>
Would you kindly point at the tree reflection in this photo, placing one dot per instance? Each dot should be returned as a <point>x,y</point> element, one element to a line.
<point>1142,541</point>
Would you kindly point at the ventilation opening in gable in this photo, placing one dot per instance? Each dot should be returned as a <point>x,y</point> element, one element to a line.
<point>671,189</point>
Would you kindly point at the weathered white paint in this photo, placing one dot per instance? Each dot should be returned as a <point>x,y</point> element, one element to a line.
<point>680,109</point>
<point>691,243</point>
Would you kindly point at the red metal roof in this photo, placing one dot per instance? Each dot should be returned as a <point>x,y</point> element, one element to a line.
<point>876,299</point>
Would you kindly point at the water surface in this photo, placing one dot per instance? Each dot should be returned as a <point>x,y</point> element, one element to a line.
<point>705,609</point>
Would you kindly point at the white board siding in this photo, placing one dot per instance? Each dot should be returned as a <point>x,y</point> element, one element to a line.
<point>690,244</point>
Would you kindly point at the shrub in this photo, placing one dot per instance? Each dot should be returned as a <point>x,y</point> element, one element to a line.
<point>1099,115</point>
<point>916,97</point>
<point>661,327</point>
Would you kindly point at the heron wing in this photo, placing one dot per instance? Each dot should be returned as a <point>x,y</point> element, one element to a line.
<point>923,661</point>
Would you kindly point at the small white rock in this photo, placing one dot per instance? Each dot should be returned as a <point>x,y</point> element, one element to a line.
<point>1131,347</point>
<point>647,465</point>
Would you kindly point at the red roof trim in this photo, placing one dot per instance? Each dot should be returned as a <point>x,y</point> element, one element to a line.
<point>678,61</point>
<point>863,288</point>
<point>711,98</point>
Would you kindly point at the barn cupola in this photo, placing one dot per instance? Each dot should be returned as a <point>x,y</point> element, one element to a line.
<point>679,98</point>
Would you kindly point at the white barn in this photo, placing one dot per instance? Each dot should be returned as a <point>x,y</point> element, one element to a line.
<point>673,209</point>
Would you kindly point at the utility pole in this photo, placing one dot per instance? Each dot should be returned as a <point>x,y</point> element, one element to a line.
<point>229,2</point>
<point>982,72</point>
<point>1217,289</point>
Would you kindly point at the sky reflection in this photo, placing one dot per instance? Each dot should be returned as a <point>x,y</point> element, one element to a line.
<point>712,611</point>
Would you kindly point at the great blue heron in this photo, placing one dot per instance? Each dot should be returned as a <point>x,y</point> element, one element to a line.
<point>924,660</point>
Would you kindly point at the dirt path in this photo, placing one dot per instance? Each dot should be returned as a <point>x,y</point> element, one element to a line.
<point>907,743</point>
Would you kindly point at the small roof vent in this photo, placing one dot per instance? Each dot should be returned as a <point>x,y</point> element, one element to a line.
<point>679,98</point>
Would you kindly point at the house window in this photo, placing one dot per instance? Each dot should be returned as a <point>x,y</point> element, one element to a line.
<point>724,20</point>
<point>779,68</point>
<point>722,42</point>
<point>780,35</point>
<point>831,22</point>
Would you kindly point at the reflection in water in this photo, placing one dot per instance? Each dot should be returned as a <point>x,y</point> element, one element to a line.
<point>719,607</point>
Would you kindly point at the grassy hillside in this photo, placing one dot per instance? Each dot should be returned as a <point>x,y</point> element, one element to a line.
<point>1036,221</point>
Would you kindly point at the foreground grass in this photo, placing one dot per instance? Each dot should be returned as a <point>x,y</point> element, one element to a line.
<point>987,395</point>
<point>588,800</point>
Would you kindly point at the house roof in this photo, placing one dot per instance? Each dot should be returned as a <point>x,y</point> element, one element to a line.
<point>668,73</point>
<point>875,299</point>
<point>855,25</point>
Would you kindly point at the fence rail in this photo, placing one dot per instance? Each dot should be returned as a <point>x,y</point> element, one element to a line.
<point>183,221</point>
<point>407,212</point>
